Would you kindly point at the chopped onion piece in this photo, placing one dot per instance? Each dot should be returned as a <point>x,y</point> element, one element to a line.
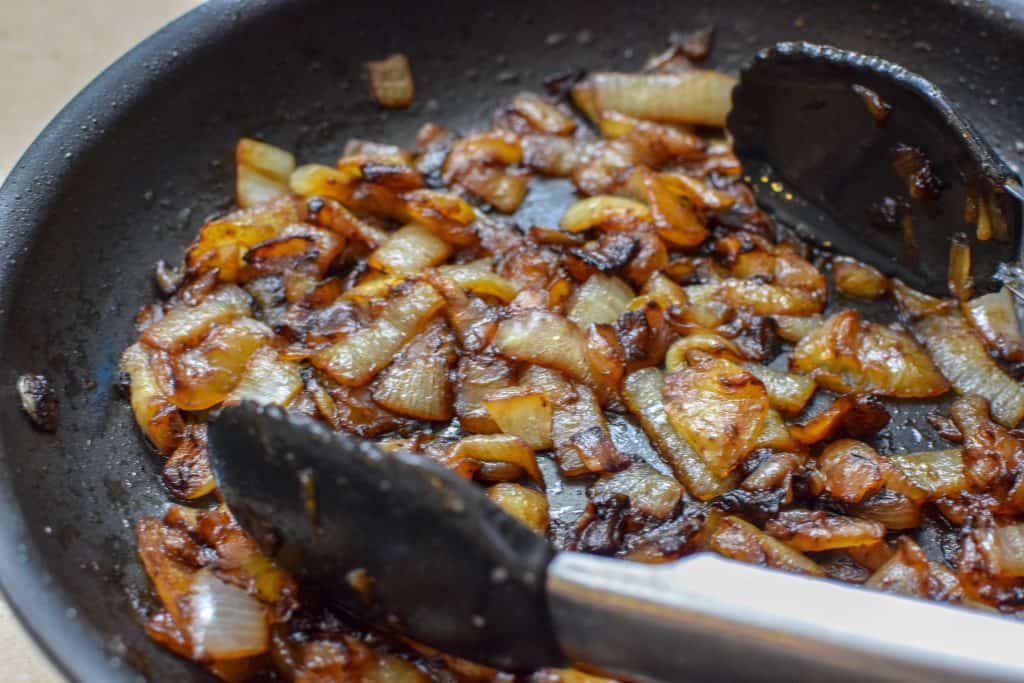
<point>262,172</point>
<point>543,116</point>
<point>760,298</point>
<point>225,622</point>
<point>698,96</point>
<point>476,377</point>
<point>416,383</point>
<point>528,506</point>
<point>858,279</point>
<point>391,81</point>
<point>719,408</point>
<point>961,356</point>
<point>740,540</point>
<point>580,436</point>
<point>601,299</point>
<point>994,317</point>
<point>1008,546</point>
<point>354,360</point>
<point>267,380</point>
<point>814,531</point>
<point>794,328</point>
<point>479,278</point>
<point>545,339</point>
<point>852,470</point>
<point>499,448</point>
<point>522,412</point>
<point>786,392</point>
<point>642,393</point>
<point>936,473</point>
<point>663,291</point>
<point>606,212</point>
<point>648,491</point>
<point>409,250</point>
<point>158,418</point>
<point>706,342</point>
<point>184,325</point>
<point>847,354</point>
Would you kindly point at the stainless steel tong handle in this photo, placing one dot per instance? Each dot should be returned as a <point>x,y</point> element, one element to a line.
<point>708,618</point>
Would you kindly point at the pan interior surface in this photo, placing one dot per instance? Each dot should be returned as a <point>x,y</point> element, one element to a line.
<point>128,171</point>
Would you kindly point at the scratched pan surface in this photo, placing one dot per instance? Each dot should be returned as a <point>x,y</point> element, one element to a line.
<point>127,172</point>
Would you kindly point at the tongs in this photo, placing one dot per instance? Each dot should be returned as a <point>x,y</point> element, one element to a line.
<point>415,550</point>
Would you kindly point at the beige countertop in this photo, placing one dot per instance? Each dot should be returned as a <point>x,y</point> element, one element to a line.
<point>49,49</point>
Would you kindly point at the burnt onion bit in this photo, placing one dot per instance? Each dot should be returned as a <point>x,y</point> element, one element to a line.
<point>39,401</point>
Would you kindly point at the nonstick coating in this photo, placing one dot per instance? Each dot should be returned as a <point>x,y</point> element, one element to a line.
<point>126,173</point>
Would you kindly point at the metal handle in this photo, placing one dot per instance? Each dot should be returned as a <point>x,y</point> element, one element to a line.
<point>707,618</point>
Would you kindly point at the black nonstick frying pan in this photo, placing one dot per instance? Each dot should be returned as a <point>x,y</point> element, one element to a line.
<point>126,173</point>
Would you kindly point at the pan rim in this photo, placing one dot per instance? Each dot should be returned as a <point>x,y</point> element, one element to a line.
<point>43,609</point>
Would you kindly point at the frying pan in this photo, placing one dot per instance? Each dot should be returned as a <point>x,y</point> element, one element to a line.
<point>127,172</point>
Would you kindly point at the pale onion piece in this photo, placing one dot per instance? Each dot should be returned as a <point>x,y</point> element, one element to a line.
<point>409,250</point>
<point>601,299</point>
<point>740,540</point>
<point>499,448</point>
<point>1008,550</point>
<point>205,375</point>
<point>225,622</point>
<point>854,278</point>
<point>760,298</point>
<point>604,209</point>
<point>317,180</point>
<point>479,278</point>
<point>994,317</point>
<point>663,291</point>
<point>158,418</point>
<point>719,408</point>
<point>391,81</point>
<point>262,172</point>
<point>522,412</point>
<point>184,325</point>
<point>642,393</point>
<point>962,358</point>
<point>786,391</point>
<point>817,530</point>
<point>528,506</point>
<point>546,339</point>
<point>580,436</point>
<point>847,354</point>
<point>708,342</point>
<point>416,384</point>
<point>793,328</point>
<point>542,115</point>
<point>699,96</point>
<point>649,491</point>
<point>268,380</point>
<point>774,433</point>
<point>355,360</point>
<point>475,378</point>
<point>937,473</point>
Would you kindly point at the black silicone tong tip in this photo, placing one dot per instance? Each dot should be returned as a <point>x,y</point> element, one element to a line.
<point>392,537</point>
<point>864,156</point>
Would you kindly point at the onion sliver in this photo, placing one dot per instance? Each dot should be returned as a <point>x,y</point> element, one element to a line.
<point>225,622</point>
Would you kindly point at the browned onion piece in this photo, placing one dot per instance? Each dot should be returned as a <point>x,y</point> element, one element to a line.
<point>261,171</point>
<point>959,277</point>
<point>358,357</point>
<point>816,530</point>
<point>740,540</point>
<point>719,408</point>
<point>852,470</point>
<point>962,358</point>
<point>642,393</point>
<point>498,448</point>
<point>648,491</point>
<point>476,377</point>
<point>157,417</point>
<point>847,354</point>
<point>391,81</point>
<point>761,299</point>
<point>579,434</point>
<point>994,317</point>
<point>855,278</point>
<point>855,414</point>
<point>528,506</point>
<point>545,339</point>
